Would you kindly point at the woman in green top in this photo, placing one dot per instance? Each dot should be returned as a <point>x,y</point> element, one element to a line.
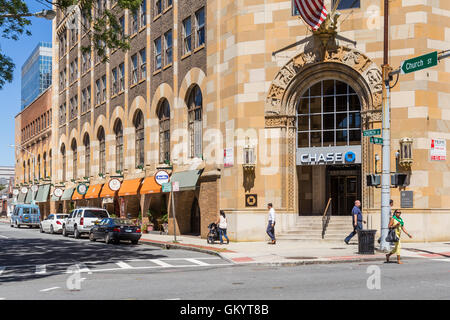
<point>397,224</point>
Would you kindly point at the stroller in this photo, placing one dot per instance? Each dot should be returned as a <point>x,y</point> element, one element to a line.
<point>213,233</point>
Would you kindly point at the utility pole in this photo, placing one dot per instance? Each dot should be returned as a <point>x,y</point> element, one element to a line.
<point>386,171</point>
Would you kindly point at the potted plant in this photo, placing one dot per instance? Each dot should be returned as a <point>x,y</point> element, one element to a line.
<point>150,225</point>
<point>144,228</point>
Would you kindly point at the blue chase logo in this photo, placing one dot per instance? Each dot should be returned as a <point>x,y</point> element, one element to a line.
<point>350,157</point>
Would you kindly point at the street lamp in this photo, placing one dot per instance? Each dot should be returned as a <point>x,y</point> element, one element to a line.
<point>47,14</point>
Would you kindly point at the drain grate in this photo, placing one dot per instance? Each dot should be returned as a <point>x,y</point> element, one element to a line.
<point>301,258</point>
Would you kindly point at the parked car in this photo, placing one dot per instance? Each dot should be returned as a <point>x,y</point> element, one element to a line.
<point>81,220</point>
<point>25,215</point>
<point>53,223</point>
<point>112,230</point>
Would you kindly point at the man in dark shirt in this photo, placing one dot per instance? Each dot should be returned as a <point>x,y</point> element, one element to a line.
<point>357,220</point>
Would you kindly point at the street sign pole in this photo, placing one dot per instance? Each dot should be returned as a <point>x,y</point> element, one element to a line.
<point>172,194</point>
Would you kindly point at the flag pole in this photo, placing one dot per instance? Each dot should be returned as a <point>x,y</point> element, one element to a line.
<point>336,4</point>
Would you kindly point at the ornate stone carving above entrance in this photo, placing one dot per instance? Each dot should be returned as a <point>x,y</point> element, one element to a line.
<point>342,59</point>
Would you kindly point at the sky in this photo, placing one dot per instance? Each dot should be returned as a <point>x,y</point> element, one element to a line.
<point>19,51</point>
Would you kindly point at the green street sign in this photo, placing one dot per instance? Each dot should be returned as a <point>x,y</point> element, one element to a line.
<point>376,140</point>
<point>419,63</point>
<point>166,187</point>
<point>372,132</point>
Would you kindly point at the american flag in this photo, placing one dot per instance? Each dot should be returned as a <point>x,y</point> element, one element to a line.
<point>313,12</point>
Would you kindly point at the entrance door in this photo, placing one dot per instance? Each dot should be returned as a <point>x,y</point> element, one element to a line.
<point>344,188</point>
<point>195,218</point>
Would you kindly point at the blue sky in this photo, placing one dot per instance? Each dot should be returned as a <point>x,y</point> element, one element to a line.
<point>19,51</point>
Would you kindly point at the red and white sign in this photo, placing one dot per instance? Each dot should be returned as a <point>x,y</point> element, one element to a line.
<point>438,150</point>
<point>228,157</point>
<point>114,184</point>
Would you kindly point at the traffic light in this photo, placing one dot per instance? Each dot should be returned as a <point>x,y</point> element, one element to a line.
<point>373,180</point>
<point>399,179</point>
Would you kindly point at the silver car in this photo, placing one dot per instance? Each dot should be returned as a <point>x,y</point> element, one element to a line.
<point>81,220</point>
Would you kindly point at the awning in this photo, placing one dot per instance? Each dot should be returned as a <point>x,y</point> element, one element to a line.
<point>76,195</point>
<point>107,192</point>
<point>93,192</point>
<point>67,195</point>
<point>21,197</point>
<point>54,198</point>
<point>42,194</point>
<point>150,186</point>
<point>130,187</point>
<point>29,197</point>
<point>187,179</point>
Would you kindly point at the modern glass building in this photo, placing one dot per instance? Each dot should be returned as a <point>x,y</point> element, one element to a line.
<point>36,73</point>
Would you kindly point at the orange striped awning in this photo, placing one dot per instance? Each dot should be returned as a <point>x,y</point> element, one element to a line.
<point>93,191</point>
<point>76,195</point>
<point>130,187</point>
<point>150,186</point>
<point>107,192</point>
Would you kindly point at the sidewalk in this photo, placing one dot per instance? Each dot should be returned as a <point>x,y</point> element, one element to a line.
<point>292,252</point>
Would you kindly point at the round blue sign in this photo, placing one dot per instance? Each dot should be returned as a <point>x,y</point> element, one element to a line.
<point>350,156</point>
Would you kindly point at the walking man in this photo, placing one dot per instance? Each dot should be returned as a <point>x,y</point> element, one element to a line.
<point>271,226</point>
<point>357,220</point>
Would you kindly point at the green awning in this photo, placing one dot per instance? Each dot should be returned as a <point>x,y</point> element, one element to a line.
<point>187,179</point>
<point>42,194</point>
<point>67,195</point>
<point>21,197</point>
<point>54,198</point>
<point>29,197</point>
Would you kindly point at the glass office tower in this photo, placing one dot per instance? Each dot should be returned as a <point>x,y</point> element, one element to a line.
<point>36,73</point>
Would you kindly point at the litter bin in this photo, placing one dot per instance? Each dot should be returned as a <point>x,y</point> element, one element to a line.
<point>366,241</point>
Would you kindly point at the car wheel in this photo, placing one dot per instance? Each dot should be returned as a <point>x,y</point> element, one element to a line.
<point>40,229</point>
<point>64,231</point>
<point>134,241</point>
<point>76,233</point>
<point>52,231</point>
<point>91,237</point>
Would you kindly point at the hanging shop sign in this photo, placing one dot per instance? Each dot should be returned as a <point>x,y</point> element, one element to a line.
<point>114,184</point>
<point>16,192</point>
<point>161,177</point>
<point>82,189</point>
<point>58,192</point>
<point>329,155</point>
<point>24,190</point>
<point>34,188</point>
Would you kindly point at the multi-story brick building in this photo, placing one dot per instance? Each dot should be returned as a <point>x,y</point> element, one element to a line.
<point>246,79</point>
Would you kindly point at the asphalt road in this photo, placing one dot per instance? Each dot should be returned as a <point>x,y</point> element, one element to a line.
<point>43,266</point>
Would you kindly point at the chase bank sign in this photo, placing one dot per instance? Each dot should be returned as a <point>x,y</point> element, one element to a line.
<point>329,155</point>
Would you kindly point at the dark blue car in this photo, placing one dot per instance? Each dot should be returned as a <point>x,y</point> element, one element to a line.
<point>113,230</point>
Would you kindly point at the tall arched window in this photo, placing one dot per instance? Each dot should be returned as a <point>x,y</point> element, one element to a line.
<point>24,171</point>
<point>50,163</point>
<point>29,171</point>
<point>87,155</point>
<point>139,136</point>
<point>195,109</point>
<point>39,166</point>
<point>44,158</point>
<point>164,131</point>
<point>118,130</point>
<point>102,150</point>
<point>63,154</point>
<point>74,159</point>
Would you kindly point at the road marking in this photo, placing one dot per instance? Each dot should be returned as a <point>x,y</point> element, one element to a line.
<point>161,263</point>
<point>49,289</point>
<point>1,270</point>
<point>446,260</point>
<point>41,269</point>
<point>124,265</point>
<point>198,262</point>
<point>5,237</point>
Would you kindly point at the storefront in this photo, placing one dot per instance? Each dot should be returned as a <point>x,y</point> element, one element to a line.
<point>128,198</point>
<point>42,200</point>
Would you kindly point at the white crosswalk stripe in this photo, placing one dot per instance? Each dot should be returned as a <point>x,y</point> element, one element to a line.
<point>41,269</point>
<point>445,260</point>
<point>160,263</point>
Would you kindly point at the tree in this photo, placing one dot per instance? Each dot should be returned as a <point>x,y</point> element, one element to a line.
<point>106,33</point>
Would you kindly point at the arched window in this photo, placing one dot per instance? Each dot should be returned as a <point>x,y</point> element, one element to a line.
<point>44,158</point>
<point>24,171</point>
<point>87,155</point>
<point>164,131</point>
<point>118,130</point>
<point>50,163</point>
<point>39,166</point>
<point>139,138</point>
<point>74,159</point>
<point>195,109</point>
<point>63,154</point>
<point>29,171</point>
<point>102,150</point>
<point>328,114</point>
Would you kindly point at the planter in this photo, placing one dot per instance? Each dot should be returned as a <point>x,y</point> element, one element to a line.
<point>149,228</point>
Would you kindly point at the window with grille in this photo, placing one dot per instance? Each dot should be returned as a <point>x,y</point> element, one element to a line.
<point>164,131</point>
<point>187,36</point>
<point>195,109</point>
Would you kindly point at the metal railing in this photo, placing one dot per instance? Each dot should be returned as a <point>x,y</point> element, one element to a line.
<point>326,217</point>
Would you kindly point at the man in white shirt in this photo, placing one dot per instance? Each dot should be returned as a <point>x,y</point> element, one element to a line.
<point>271,226</point>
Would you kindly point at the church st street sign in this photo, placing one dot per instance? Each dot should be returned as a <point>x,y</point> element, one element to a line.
<point>419,63</point>
<point>372,132</point>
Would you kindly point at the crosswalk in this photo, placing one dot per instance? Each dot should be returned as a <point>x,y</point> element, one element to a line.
<point>109,266</point>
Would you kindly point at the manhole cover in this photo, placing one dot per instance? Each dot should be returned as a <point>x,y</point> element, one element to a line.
<point>301,258</point>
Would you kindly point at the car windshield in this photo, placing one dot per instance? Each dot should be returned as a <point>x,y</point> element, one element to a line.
<point>95,214</point>
<point>61,216</point>
<point>123,222</point>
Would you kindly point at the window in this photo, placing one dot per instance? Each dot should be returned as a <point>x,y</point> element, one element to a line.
<point>168,3</point>
<point>118,130</point>
<point>122,26</point>
<point>121,77</point>
<point>87,155</point>
<point>347,4</point>
<point>83,101</point>
<point>62,113</point>
<point>39,166</point>
<point>158,54</point>
<point>328,114</point>
<point>143,67</point>
<point>63,154</point>
<point>103,88</point>
<point>102,150</point>
<point>168,57</point>
<point>139,136</point>
<point>74,159</point>
<point>195,107</point>
<point>86,61</point>
<point>44,158</point>
<point>158,7</point>
<point>50,162</point>
<point>143,14</point>
<point>88,98</point>
<point>200,27</point>
<point>71,69</point>
<point>114,83</point>
<point>134,22</point>
<point>73,107</point>
<point>187,36</point>
<point>97,91</point>
<point>164,131</point>
<point>134,69</point>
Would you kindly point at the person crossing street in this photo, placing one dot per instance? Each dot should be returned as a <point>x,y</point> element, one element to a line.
<point>271,225</point>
